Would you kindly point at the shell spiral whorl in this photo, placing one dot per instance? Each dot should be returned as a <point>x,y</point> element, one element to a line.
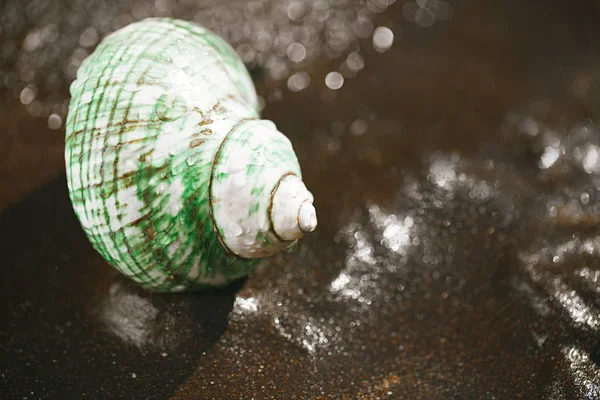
<point>175,180</point>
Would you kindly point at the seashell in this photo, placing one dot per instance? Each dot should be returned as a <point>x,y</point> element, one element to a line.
<point>175,179</point>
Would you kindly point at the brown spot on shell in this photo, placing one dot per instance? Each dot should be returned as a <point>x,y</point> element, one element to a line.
<point>196,142</point>
<point>205,122</point>
<point>218,108</point>
<point>151,232</point>
<point>206,119</point>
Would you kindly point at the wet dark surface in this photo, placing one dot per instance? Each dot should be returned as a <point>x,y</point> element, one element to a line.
<point>457,181</point>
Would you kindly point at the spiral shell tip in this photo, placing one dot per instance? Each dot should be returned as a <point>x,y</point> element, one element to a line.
<point>292,213</point>
<point>307,217</point>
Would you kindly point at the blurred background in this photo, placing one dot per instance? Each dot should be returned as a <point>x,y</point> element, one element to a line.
<point>454,154</point>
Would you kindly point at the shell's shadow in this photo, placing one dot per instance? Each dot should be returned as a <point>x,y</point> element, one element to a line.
<point>72,325</point>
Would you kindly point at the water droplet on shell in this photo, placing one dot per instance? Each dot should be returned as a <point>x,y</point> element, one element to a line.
<point>131,87</point>
<point>156,73</point>
<point>170,110</point>
<point>238,230</point>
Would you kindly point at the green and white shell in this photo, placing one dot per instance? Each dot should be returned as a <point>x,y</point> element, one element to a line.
<point>175,179</point>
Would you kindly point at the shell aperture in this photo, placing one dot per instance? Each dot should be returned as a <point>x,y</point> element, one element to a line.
<point>175,179</point>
